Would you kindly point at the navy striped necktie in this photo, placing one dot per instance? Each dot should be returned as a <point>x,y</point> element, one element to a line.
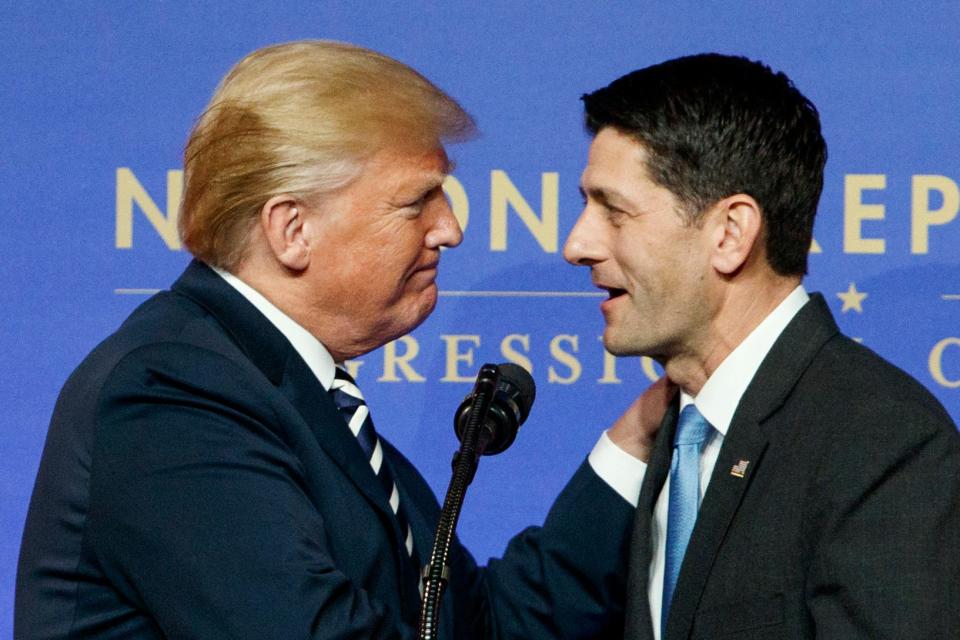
<point>354,410</point>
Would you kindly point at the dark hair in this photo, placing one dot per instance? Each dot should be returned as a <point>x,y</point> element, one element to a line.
<point>716,125</point>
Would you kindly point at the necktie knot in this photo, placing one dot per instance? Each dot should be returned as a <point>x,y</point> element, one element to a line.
<point>693,428</point>
<point>346,394</point>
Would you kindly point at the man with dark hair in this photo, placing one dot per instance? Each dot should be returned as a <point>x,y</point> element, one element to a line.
<point>800,486</point>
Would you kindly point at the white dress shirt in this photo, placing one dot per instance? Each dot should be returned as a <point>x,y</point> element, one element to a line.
<point>717,402</point>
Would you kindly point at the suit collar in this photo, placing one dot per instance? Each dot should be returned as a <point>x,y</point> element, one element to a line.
<point>313,352</point>
<point>717,400</point>
<point>790,356</point>
<point>259,340</point>
<point>267,348</point>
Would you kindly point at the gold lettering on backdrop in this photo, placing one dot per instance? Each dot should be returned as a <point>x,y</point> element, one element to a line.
<point>455,357</point>
<point>936,362</point>
<point>544,226</point>
<point>462,356</point>
<point>392,361</point>
<point>922,217</point>
<point>855,212</point>
<point>459,203</point>
<point>130,191</point>
<point>647,364</point>
<point>565,357</point>
<point>504,194</point>
<point>512,355</point>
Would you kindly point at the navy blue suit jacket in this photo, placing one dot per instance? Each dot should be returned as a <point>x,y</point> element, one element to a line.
<point>197,482</point>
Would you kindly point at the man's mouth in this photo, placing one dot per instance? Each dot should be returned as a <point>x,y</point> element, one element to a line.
<point>428,267</point>
<point>613,292</point>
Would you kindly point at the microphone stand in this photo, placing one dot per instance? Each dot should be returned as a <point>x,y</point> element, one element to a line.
<point>436,574</point>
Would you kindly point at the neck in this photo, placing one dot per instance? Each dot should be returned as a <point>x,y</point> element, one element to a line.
<point>740,308</point>
<point>292,293</point>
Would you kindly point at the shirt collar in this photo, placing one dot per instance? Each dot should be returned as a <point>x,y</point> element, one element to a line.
<point>310,349</point>
<point>721,394</point>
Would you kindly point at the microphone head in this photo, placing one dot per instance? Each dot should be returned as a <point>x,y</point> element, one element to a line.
<point>508,409</point>
<point>513,375</point>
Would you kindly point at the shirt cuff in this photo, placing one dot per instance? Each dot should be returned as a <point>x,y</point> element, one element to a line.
<point>617,468</point>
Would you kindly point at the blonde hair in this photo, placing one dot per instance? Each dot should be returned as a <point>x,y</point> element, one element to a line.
<point>300,118</point>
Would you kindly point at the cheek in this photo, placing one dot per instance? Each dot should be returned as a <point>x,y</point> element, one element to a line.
<point>657,271</point>
<point>381,264</point>
<point>640,265</point>
<point>402,240</point>
<point>380,259</point>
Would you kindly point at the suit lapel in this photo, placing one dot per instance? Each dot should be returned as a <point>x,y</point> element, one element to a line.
<point>638,624</point>
<point>745,443</point>
<point>316,406</point>
<point>741,456</point>
<point>275,357</point>
<point>320,412</point>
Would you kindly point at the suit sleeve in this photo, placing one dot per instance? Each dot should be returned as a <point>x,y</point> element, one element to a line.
<point>199,513</point>
<point>565,579</point>
<point>568,578</point>
<point>887,553</point>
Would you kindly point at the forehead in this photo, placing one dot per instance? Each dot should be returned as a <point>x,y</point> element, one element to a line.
<point>403,167</point>
<point>616,174</point>
<point>614,157</point>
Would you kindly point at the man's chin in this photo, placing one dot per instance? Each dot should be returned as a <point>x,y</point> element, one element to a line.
<point>620,345</point>
<point>421,308</point>
<point>429,298</point>
<point>613,343</point>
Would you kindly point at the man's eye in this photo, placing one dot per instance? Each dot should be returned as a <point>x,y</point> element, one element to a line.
<point>616,216</point>
<point>414,207</point>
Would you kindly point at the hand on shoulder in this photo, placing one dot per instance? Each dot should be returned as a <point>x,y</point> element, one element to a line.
<point>636,430</point>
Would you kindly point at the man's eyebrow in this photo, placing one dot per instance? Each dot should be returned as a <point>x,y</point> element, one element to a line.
<point>435,182</point>
<point>418,189</point>
<point>605,196</point>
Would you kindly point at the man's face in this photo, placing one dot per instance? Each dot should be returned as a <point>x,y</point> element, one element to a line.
<point>639,249</point>
<point>377,243</point>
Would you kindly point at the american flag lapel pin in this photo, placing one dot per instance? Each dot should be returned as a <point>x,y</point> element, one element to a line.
<point>740,469</point>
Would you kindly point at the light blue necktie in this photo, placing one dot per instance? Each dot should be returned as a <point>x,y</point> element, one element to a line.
<point>692,432</point>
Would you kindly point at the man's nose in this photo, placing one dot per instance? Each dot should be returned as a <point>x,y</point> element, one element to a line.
<point>446,231</point>
<point>581,246</point>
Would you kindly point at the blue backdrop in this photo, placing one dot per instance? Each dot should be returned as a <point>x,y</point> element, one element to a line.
<point>98,99</point>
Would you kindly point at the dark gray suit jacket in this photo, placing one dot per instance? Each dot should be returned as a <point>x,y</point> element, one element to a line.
<point>846,522</point>
<point>198,482</point>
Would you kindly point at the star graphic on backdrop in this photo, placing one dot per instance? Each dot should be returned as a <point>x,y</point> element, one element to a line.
<point>852,299</point>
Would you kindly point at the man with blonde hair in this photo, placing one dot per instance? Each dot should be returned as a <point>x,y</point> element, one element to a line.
<point>211,471</point>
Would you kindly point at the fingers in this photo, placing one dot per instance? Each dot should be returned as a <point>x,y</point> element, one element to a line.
<point>636,429</point>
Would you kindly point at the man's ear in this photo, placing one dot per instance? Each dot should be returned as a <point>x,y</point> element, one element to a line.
<point>737,230</point>
<point>282,221</point>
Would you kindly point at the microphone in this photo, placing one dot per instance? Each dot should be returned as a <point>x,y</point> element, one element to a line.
<point>513,392</point>
<point>486,423</point>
